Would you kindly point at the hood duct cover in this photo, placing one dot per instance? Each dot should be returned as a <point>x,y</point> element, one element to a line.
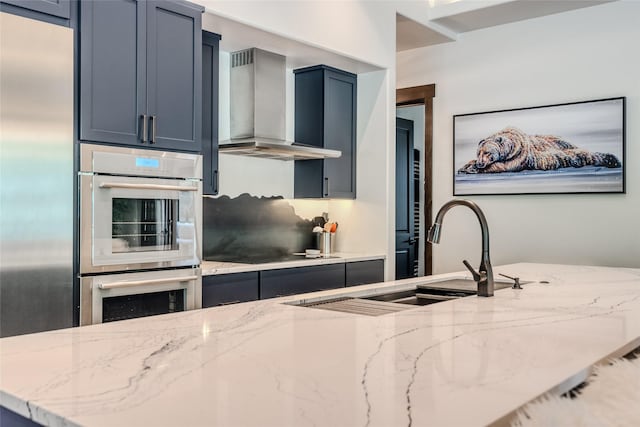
<point>257,85</point>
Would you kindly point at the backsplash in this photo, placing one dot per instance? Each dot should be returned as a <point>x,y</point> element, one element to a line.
<point>258,226</point>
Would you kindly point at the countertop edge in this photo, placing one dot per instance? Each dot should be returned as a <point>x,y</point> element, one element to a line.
<point>210,268</point>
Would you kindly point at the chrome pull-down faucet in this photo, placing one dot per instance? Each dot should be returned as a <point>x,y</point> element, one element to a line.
<point>484,275</point>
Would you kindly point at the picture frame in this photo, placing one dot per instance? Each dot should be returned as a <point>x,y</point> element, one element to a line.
<point>569,148</point>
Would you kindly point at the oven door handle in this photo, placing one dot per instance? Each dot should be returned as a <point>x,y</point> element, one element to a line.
<point>132,283</point>
<point>146,186</point>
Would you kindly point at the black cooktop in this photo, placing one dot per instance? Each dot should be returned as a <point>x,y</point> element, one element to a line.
<point>262,258</point>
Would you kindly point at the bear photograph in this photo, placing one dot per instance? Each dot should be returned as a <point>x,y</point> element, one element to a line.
<point>564,148</point>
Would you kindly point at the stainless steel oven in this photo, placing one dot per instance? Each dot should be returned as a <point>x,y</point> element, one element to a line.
<point>109,297</point>
<point>139,209</point>
<point>140,232</point>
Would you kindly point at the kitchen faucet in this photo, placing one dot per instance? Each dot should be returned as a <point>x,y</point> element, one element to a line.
<point>484,275</point>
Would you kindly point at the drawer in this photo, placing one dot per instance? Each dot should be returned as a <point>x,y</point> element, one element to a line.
<point>290,281</point>
<point>364,272</point>
<point>229,288</point>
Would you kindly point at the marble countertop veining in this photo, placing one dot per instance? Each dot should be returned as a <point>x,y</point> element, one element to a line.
<point>221,267</point>
<point>470,361</point>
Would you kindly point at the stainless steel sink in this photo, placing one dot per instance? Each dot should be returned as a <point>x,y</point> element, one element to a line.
<point>421,296</point>
<point>393,301</point>
<point>432,293</point>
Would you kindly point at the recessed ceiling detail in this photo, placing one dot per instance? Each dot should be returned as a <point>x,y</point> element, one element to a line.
<point>469,15</point>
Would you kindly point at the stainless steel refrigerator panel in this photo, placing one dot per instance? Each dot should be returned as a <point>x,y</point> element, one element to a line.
<point>36,176</point>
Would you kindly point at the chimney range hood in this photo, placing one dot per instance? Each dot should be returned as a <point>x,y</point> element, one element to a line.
<point>257,101</point>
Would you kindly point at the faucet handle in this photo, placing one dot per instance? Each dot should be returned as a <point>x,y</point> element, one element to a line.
<point>476,276</point>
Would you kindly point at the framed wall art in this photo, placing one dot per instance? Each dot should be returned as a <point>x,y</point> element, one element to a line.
<point>576,147</point>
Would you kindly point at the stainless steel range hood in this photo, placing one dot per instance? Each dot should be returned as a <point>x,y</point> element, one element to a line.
<point>257,80</point>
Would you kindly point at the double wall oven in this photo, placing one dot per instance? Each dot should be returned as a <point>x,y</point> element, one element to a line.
<point>140,232</point>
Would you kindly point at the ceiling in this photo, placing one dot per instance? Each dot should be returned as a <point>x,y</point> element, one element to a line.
<point>459,16</point>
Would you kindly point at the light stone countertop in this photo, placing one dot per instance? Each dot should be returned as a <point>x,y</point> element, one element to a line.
<point>465,362</point>
<point>220,267</point>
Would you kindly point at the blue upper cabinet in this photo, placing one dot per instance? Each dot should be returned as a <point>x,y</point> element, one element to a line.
<point>140,73</point>
<point>325,116</point>
<point>174,75</point>
<point>210,74</point>
<point>57,8</point>
<point>113,72</point>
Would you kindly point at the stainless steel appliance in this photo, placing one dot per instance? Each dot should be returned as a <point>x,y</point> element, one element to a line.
<point>140,214</point>
<point>257,104</point>
<point>110,297</point>
<point>36,176</point>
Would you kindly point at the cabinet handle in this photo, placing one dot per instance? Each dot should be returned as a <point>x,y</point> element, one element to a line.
<point>230,302</point>
<point>145,129</point>
<point>326,187</point>
<point>153,120</point>
<point>214,182</point>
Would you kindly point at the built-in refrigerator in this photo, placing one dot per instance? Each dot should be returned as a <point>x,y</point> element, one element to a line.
<point>36,176</point>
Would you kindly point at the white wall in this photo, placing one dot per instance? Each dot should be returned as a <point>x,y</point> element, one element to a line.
<point>365,31</point>
<point>354,28</point>
<point>364,222</point>
<point>581,55</point>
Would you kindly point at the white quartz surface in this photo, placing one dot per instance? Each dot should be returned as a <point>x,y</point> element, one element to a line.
<point>465,362</point>
<point>220,267</point>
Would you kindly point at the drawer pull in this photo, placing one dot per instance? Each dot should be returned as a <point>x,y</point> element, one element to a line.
<point>146,186</point>
<point>131,283</point>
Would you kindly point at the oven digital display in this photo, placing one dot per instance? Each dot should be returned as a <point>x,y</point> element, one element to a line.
<point>143,162</point>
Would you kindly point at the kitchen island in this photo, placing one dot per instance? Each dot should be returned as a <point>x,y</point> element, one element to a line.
<point>470,361</point>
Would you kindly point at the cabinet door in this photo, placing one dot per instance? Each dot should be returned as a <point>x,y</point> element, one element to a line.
<point>59,8</point>
<point>210,58</point>
<point>325,116</point>
<point>174,75</point>
<point>340,134</point>
<point>290,281</point>
<point>364,272</point>
<point>229,288</point>
<point>112,71</point>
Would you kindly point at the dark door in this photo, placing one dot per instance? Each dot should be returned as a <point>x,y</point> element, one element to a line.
<point>406,254</point>
<point>112,71</point>
<point>174,75</point>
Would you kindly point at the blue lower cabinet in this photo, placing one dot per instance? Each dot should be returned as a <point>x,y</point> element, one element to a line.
<point>299,280</point>
<point>11,419</point>
<point>233,288</point>
<point>364,272</point>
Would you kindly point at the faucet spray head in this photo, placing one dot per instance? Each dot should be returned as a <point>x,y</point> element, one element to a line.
<point>433,235</point>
